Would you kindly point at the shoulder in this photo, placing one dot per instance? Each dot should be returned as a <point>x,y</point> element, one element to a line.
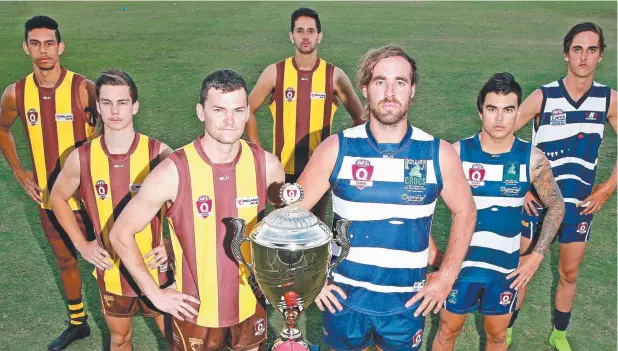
<point>421,135</point>
<point>8,96</point>
<point>359,131</point>
<point>457,147</point>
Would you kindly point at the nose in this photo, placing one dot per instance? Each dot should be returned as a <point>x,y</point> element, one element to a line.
<point>228,118</point>
<point>584,55</point>
<point>500,115</point>
<point>390,90</point>
<point>115,109</point>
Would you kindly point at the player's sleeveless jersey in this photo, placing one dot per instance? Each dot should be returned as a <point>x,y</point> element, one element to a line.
<point>570,134</point>
<point>389,193</point>
<point>107,183</point>
<point>499,183</point>
<point>209,195</point>
<point>303,106</point>
<point>55,124</point>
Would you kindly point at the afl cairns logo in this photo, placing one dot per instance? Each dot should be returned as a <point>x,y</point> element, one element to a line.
<point>506,298</point>
<point>101,188</point>
<point>204,206</point>
<point>33,116</point>
<point>362,171</point>
<point>289,94</point>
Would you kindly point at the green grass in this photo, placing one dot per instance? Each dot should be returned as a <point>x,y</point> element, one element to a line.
<point>168,49</point>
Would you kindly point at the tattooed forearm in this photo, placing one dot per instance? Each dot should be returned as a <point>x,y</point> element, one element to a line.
<point>549,193</point>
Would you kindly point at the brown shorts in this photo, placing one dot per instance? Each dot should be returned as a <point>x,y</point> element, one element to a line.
<point>127,306</point>
<point>246,335</point>
<point>54,231</point>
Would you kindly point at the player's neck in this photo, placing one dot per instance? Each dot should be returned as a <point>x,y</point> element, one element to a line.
<point>306,62</point>
<point>492,145</point>
<point>47,78</point>
<point>118,142</point>
<point>218,152</point>
<point>577,86</point>
<point>388,134</point>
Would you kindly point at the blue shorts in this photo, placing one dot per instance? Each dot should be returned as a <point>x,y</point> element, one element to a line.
<point>349,330</point>
<point>492,297</point>
<point>567,233</point>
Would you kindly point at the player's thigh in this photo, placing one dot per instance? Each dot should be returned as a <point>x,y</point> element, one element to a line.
<point>346,329</point>
<point>571,256</point>
<point>187,336</point>
<point>399,332</point>
<point>464,297</point>
<point>451,323</point>
<point>498,298</point>
<point>496,325</point>
<point>119,327</point>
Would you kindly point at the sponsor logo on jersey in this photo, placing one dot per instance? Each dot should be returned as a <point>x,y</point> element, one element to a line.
<point>412,199</point>
<point>506,298</point>
<point>247,201</point>
<point>452,297</point>
<point>557,118</point>
<point>289,94</point>
<point>508,191</point>
<point>362,171</point>
<point>510,174</point>
<point>582,228</point>
<point>195,344</point>
<point>204,206</point>
<point>592,116</point>
<point>260,327</point>
<point>417,338</point>
<point>415,175</point>
<point>317,96</point>
<point>134,188</point>
<point>476,174</point>
<point>101,188</point>
<point>32,116</point>
<point>66,117</point>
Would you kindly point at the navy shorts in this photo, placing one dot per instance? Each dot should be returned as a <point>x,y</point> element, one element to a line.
<point>491,298</point>
<point>350,330</point>
<point>567,233</point>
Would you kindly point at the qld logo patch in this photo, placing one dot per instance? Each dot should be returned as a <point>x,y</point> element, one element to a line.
<point>582,228</point>
<point>204,206</point>
<point>101,188</point>
<point>362,171</point>
<point>557,118</point>
<point>260,327</point>
<point>289,94</point>
<point>506,298</point>
<point>32,116</point>
<point>476,174</point>
<point>417,338</point>
<point>247,201</point>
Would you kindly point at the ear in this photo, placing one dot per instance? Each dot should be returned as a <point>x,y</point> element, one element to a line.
<point>24,46</point>
<point>320,35</point>
<point>481,116</point>
<point>413,91</point>
<point>61,48</point>
<point>566,57</point>
<point>200,112</point>
<point>135,107</point>
<point>292,37</point>
<point>364,91</point>
<point>98,108</point>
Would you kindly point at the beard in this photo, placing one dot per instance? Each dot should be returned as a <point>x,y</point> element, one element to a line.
<point>387,117</point>
<point>306,50</point>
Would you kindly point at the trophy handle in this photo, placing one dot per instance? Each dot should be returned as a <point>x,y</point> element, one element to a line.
<point>238,239</point>
<point>341,239</point>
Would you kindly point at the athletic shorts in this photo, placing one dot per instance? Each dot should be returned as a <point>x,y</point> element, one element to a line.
<point>54,231</point>
<point>127,306</point>
<point>243,336</point>
<point>567,233</point>
<point>491,298</point>
<point>350,330</point>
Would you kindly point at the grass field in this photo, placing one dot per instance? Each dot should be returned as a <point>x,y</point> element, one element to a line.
<point>168,49</point>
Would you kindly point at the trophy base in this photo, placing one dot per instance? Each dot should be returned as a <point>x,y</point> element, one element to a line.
<point>289,345</point>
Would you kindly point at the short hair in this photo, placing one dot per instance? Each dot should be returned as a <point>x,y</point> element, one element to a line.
<point>583,27</point>
<point>224,80</point>
<point>372,57</point>
<point>41,22</point>
<point>116,77</point>
<point>305,12</point>
<point>500,83</point>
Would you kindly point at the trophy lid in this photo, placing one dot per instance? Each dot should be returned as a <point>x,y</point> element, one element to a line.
<point>291,225</point>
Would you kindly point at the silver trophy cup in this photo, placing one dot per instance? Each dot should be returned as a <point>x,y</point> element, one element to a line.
<point>291,260</point>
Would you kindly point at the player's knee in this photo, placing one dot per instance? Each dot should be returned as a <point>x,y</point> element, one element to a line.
<point>121,341</point>
<point>496,337</point>
<point>568,276</point>
<point>448,332</point>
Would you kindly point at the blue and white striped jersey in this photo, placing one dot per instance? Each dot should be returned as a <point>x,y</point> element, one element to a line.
<point>570,134</point>
<point>389,193</point>
<point>499,183</point>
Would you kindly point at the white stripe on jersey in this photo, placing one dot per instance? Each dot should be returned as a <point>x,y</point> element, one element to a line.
<point>356,132</point>
<point>552,84</point>
<point>369,211</point>
<point>388,258</point>
<point>486,266</point>
<point>491,240</point>
<point>373,287</point>
<point>596,104</point>
<point>483,202</point>
<point>579,161</point>
<point>419,134</point>
<point>547,133</point>
<point>384,169</point>
<point>570,176</point>
<point>575,201</point>
<point>494,173</point>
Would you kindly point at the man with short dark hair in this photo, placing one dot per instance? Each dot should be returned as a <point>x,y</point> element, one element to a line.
<point>304,90</point>
<point>217,177</point>
<point>57,110</point>
<point>569,120</point>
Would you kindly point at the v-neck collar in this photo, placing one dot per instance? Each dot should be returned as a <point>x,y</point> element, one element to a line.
<point>568,97</point>
<point>477,139</point>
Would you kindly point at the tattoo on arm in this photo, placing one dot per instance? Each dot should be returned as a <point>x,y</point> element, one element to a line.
<point>549,193</point>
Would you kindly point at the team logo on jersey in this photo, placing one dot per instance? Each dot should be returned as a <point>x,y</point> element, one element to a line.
<point>510,174</point>
<point>109,300</point>
<point>260,327</point>
<point>134,188</point>
<point>557,118</point>
<point>417,338</point>
<point>204,206</point>
<point>452,297</point>
<point>33,116</point>
<point>476,174</point>
<point>362,171</point>
<point>64,117</point>
<point>506,298</point>
<point>317,96</point>
<point>101,187</point>
<point>247,201</point>
<point>592,116</point>
<point>415,175</point>
<point>289,94</point>
<point>582,228</point>
<point>196,344</point>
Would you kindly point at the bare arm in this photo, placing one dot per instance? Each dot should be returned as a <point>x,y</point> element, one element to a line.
<point>347,95</point>
<point>88,97</point>
<point>315,176</point>
<point>8,116</point>
<point>160,186</point>
<point>275,177</point>
<point>458,198</point>
<point>549,193</point>
<point>529,109</point>
<point>263,88</point>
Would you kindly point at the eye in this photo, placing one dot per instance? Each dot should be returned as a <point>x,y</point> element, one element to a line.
<point>593,50</point>
<point>510,110</point>
<point>576,49</point>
